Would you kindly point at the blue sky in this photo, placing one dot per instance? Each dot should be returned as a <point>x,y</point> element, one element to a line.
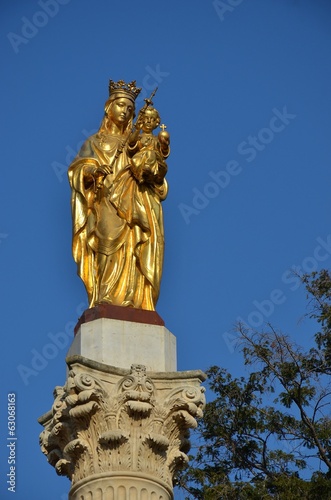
<point>244,89</point>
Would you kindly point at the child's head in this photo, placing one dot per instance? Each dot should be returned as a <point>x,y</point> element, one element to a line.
<point>150,120</point>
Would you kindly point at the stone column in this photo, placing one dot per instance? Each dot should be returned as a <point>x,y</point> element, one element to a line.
<point>121,433</point>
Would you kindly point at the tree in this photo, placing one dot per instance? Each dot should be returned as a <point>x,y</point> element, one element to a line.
<point>268,435</point>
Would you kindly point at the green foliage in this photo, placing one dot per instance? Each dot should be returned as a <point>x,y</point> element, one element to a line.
<point>268,435</point>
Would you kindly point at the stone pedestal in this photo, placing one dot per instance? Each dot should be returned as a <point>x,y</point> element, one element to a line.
<point>123,343</point>
<point>119,336</point>
<point>121,431</point>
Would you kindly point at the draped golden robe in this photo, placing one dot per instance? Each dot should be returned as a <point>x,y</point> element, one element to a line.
<point>118,237</point>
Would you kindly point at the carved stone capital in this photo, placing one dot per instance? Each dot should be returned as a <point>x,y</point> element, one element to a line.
<point>118,429</point>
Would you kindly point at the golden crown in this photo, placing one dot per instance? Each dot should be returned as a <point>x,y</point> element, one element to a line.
<point>128,90</point>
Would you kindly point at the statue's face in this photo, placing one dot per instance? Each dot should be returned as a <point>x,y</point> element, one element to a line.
<point>121,111</point>
<point>150,121</point>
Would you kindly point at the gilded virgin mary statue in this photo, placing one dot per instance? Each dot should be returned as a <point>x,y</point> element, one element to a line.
<point>118,184</point>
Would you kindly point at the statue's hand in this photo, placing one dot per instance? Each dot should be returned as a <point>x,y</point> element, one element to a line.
<point>103,170</point>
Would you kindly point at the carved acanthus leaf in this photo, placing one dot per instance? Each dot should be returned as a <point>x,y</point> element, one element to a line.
<point>76,446</point>
<point>114,437</point>
<point>157,441</point>
<point>139,407</point>
<point>84,409</point>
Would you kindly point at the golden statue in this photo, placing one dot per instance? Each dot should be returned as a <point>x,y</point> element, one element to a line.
<point>117,182</point>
